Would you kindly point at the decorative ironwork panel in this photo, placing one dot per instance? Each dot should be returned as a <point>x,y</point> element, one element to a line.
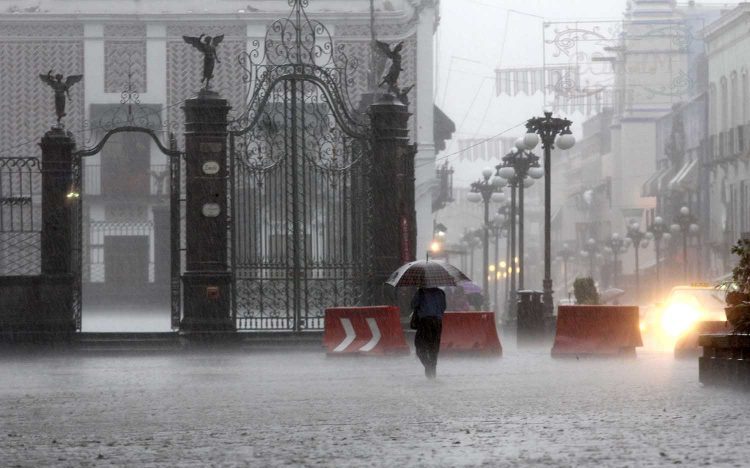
<point>76,238</point>
<point>572,79</point>
<point>177,231</point>
<point>20,216</point>
<point>300,181</point>
<point>578,73</point>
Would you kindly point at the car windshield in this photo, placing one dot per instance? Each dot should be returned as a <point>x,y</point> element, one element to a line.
<point>706,298</point>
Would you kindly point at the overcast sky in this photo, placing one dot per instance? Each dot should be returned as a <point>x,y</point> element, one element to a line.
<point>477,36</point>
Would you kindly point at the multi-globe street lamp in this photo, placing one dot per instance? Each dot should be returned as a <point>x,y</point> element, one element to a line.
<point>519,168</point>
<point>565,254</point>
<point>487,189</point>
<point>616,246</point>
<point>687,224</point>
<point>639,239</point>
<point>590,250</point>
<point>548,128</point>
<point>659,229</point>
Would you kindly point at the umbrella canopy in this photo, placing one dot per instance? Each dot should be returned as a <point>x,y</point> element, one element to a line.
<point>470,287</point>
<point>426,274</point>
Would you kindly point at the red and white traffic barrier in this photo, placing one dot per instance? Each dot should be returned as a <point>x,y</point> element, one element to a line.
<point>364,330</point>
<point>470,332</point>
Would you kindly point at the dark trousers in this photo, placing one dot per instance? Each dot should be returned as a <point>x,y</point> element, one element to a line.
<point>427,342</point>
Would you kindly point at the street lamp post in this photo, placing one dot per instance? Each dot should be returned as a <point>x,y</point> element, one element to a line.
<point>639,239</point>
<point>498,226</point>
<point>616,245</point>
<point>548,128</point>
<point>565,254</point>
<point>486,189</point>
<point>659,229</point>
<point>471,242</point>
<point>687,224</point>
<point>520,167</point>
<point>590,250</point>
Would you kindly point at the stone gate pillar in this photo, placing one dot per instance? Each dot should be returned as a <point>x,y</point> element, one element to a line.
<point>394,226</point>
<point>207,280</point>
<point>54,312</point>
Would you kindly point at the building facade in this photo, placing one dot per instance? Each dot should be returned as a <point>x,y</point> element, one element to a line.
<point>727,154</point>
<point>133,52</point>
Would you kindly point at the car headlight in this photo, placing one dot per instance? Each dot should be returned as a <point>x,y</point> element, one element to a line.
<point>679,318</point>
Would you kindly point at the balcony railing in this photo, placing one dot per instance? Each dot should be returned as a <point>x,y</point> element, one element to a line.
<point>134,183</point>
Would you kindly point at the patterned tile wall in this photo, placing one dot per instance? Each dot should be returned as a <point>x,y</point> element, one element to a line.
<point>27,50</point>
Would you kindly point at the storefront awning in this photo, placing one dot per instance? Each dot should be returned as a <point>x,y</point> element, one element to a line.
<point>443,128</point>
<point>655,183</point>
<point>686,178</point>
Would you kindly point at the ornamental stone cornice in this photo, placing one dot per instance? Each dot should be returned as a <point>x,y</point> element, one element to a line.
<point>389,26</point>
<point>725,22</point>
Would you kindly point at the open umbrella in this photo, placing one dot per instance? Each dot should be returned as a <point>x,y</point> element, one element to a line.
<point>426,274</point>
<point>470,287</point>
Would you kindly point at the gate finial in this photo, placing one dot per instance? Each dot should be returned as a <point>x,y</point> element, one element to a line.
<point>394,70</point>
<point>207,45</point>
<point>61,90</point>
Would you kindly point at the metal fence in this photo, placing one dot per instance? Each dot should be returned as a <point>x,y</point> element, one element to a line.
<point>20,216</point>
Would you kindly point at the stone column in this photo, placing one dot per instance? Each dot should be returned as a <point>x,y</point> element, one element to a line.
<point>392,179</point>
<point>207,280</point>
<point>54,312</point>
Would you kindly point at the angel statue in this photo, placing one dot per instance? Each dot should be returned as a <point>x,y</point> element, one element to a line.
<point>61,90</point>
<point>394,70</point>
<point>207,45</point>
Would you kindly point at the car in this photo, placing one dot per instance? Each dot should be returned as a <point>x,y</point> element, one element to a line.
<point>687,312</point>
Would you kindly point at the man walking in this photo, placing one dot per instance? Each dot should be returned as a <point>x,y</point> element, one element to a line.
<point>428,304</point>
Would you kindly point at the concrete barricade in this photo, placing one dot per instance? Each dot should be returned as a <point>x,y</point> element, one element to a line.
<point>470,332</point>
<point>364,330</point>
<point>597,330</point>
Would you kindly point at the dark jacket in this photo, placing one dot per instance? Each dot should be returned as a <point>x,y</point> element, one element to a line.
<point>429,302</point>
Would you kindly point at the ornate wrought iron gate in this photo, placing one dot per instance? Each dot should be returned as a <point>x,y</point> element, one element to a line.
<point>300,160</point>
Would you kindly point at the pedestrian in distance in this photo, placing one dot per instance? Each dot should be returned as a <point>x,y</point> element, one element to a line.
<point>428,306</point>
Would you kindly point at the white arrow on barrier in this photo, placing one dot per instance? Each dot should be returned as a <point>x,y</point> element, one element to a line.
<point>350,335</point>
<point>375,335</point>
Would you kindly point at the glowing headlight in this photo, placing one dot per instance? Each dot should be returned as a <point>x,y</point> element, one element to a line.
<point>679,318</point>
